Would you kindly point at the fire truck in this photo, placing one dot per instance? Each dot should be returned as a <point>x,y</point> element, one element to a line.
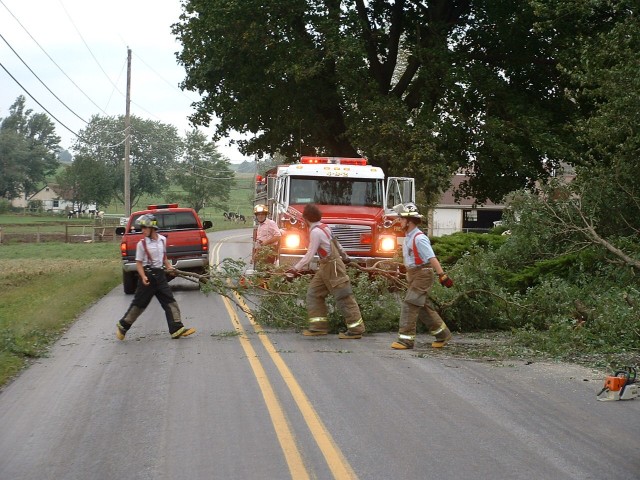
<point>355,201</point>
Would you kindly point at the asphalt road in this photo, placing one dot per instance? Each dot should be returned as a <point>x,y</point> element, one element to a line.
<point>236,402</point>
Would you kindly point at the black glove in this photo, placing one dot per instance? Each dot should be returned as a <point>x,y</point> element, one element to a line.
<point>444,280</point>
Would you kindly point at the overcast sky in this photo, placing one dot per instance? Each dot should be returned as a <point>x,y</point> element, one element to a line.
<point>88,40</point>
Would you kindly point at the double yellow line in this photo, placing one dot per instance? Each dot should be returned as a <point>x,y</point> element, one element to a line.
<point>336,461</point>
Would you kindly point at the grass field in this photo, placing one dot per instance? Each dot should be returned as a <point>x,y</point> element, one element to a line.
<point>240,201</point>
<point>43,288</point>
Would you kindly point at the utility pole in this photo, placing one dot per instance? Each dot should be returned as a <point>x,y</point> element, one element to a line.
<point>127,141</point>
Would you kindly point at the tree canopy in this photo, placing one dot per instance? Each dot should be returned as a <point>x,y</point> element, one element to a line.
<point>421,88</point>
<point>204,175</point>
<point>155,147</point>
<point>28,146</point>
<point>86,180</point>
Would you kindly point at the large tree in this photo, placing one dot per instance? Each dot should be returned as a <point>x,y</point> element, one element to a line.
<point>420,87</point>
<point>203,173</point>
<point>28,146</point>
<point>86,179</point>
<point>155,147</point>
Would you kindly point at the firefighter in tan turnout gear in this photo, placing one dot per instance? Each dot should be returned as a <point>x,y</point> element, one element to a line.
<point>268,235</point>
<point>331,277</point>
<point>151,262</point>
<point>422,266</point>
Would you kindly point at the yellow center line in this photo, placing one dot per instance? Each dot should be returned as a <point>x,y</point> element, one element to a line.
<point>338,464</point>
<point>278,418</point>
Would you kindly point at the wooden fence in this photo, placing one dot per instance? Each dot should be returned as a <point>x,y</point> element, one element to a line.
<point>68,233</point>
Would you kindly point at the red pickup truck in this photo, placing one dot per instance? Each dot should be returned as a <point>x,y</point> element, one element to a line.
<point>187,242</point>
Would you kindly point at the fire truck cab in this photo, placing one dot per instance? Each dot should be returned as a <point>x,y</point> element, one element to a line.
<point>353,197</point>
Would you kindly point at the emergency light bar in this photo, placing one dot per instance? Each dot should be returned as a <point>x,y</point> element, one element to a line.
<point>334,160</point>
<point>163,205</point>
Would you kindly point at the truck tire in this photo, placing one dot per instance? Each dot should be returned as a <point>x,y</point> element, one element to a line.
<point>129,282</point>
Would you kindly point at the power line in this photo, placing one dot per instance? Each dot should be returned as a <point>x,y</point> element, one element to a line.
<point>88,48</point>
<point>34,99</point>
<point>52,60</point>
<point>162,78</point>
<point>40,80</point>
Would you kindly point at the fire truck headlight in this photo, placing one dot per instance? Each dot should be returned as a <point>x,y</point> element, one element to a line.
<point>292,240</point>
<point>387,244</point>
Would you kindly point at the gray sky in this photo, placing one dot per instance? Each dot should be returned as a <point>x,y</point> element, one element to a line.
<point>88,40</point>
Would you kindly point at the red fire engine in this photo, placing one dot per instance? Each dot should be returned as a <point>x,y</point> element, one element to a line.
<point>354,200</point>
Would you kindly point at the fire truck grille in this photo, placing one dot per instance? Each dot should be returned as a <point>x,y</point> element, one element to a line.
<point>350,236</point>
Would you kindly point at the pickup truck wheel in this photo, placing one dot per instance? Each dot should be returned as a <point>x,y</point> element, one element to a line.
<point>129,282</point>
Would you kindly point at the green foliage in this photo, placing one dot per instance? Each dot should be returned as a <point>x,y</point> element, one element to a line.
<point>85,182</point>
<point>28,146</point>
<point>5,205</point>
<point>154,149</point>
<point>203,174</point>
<point>450,248</point>
<point>421,90</point>
<point>285,308</point>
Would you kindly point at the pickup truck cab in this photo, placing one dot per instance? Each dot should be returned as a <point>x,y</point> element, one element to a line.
<point>187,242</point>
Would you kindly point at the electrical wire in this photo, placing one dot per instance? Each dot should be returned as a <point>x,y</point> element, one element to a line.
<point>52,60</point>
<point>40,80</point>
<point>34,99</point>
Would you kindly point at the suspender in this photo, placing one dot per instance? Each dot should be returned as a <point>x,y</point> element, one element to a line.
<point>321,251</point>
<point>146,250</point>
<point>416,255</point>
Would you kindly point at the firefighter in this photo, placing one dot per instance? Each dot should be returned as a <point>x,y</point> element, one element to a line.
<point>151,257</point>
<point>422,266</point>
<point>331,277</point>
<point>267,237</point>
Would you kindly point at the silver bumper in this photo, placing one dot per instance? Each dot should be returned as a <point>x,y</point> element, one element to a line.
<point>181,264</point>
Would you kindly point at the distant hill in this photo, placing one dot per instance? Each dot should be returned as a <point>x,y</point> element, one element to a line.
<point>244,167</point>
<point>64,156</point>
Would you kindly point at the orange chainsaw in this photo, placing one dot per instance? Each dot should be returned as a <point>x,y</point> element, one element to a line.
<point>622,385</point>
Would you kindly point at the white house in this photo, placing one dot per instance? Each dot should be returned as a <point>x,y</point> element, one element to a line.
<point>449,216</point>
<point>53,200</point>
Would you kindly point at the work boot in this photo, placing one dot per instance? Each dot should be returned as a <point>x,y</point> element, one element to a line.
<point>348,335</point>
<point>183,332</point>
<point>120,332</point>
<point>441,342</point>
<point>314,333</point>
<point>399,345</point>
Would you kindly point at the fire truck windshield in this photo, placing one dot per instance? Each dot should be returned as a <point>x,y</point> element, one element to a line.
<point>336,191</point>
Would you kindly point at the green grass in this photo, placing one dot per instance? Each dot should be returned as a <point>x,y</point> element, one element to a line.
<point>240,200</point>
<point>35,305</point>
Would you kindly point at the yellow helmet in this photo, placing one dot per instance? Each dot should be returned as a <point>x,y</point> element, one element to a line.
<point>260,209</point>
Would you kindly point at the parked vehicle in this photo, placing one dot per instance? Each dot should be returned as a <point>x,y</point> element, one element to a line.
<point>187,242</point>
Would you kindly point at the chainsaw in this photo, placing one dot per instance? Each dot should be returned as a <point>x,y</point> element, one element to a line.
<point>622,385</point>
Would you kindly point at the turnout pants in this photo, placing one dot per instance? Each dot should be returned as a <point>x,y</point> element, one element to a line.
<point>332,277</point>
<point>158,287</point>
<point>417,306</point>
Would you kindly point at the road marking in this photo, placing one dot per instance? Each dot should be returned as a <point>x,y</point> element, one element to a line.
<point>278,418</point>
<point>338,464</point>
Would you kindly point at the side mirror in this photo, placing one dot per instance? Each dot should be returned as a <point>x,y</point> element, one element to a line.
<point>207,224</point>
<point>120,230</point>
